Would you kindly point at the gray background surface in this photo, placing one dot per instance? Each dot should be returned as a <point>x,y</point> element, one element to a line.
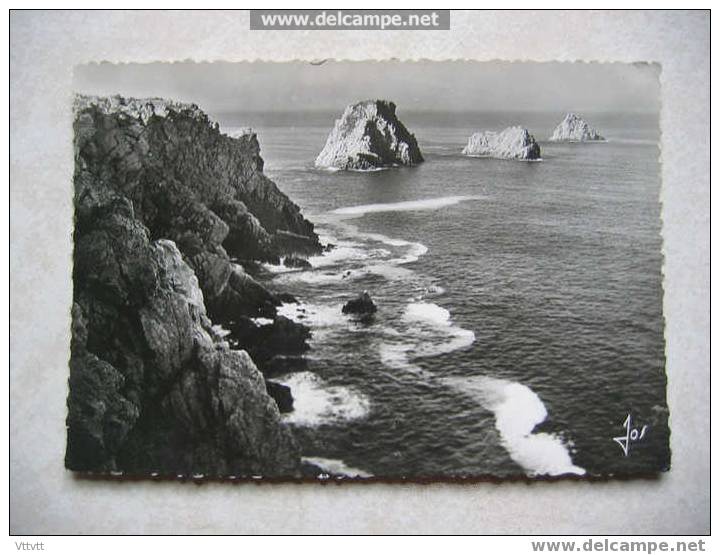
<point>46,499</point>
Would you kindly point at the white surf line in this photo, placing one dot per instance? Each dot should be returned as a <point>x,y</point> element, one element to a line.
<point>414,249</point>
<point>430,333</point>
<point>349,250</point>
<point>518,410</point>
<point>356,247</point>
<point>316,404</point>
<point>405,206</point>
<point>439,321</point>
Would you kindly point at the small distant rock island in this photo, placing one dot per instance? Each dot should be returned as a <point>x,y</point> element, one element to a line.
<point>514,143</point>
<point>369,136</point>
<point>574,129</point>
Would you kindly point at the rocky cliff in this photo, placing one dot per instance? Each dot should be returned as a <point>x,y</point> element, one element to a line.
<point>165,207</point>
<point>573,128</point>
<point>512,143</point>
<point>369,136</point>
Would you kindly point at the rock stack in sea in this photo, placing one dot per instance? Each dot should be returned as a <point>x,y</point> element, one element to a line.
<point>362,304</point>
<point>362,307</point>
<point>369,136</point>
<point>166,209</point>
<point>511,143</point>
<point>574,129</point>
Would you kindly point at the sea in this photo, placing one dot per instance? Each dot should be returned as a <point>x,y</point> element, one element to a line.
<point>519,330</point>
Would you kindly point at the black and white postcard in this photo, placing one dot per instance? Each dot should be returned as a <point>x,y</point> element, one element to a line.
<point>359,271</point>
<point>391,270</point>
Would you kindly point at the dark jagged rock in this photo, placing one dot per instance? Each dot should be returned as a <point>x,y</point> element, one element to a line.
<point>162,201</point>
<point>150,390</point>
<point>361,305</point>
<point>288,242</point>
<point>368,136</point>
<point>265,342</point>
<point>242,296</point>
<point>296,262</point>
<point>184,176</point>
<point>246,237</point>
<point>281,394</point>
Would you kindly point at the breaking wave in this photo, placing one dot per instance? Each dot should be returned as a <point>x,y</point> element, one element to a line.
<point>316,403</point>
<point>358,254</point>
<point>518,410</point>
<point>429,332</point>
<point>424,329</point>
<point>350,260</point>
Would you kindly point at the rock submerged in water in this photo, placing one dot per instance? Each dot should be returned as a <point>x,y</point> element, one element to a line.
<point>369,136</point>
<point>281,394</point>
<point>511,143</point>
<point>296,262</point>
<point>574,129</point>
<point>363,305</point>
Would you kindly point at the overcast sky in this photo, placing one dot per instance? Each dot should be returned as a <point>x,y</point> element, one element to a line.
<point>456,86</point>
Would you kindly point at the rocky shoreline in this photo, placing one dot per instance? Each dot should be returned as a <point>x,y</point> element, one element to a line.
<point>177,349</point>
<point>168,213</point>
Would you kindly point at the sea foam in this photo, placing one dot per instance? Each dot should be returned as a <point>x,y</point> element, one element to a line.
<point>406,206</point>
<point>517,410</point>
<point>320,317</point>
<point>344,251</point>
<point>427,313</point>
<point>435,322</point>
<point>317,403</point>
<point>429,332</point>
<point>350,260</point>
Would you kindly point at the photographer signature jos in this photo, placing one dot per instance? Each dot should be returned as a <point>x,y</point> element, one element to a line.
<point>631,435</point>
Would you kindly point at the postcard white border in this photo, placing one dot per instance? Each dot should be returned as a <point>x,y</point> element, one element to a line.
<point>46,499</point>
